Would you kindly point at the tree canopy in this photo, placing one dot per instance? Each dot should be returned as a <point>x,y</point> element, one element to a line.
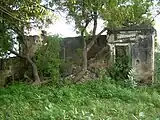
<point>115,13</point>
<point>16,16</point>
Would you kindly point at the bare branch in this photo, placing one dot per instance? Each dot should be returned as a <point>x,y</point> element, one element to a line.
<point>155,17</point>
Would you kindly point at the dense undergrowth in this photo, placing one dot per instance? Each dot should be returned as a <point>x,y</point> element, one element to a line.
<point>94,100</point>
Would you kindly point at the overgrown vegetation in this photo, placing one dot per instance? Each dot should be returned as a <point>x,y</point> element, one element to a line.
<point>157,67</point>
<point>120,69</point>
<point>48,58</point>
<point>17,17</point>
<point>111,96</point>
<point>115,14</point>
<point>95,100</point>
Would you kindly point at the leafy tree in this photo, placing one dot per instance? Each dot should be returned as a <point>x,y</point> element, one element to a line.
<point>114,13</point>
<point>17,16</point>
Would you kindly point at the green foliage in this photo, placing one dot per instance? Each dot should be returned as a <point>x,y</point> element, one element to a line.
<point>157,67</point>
<point>126,12</point>
<point>17,16</point>
<point>95,100</point>
<point>101,73</point>
<point>132,80</point>
<point>79,51</point>
<point>115,13</point>
<point>48,58</point>
<point>120,69</point>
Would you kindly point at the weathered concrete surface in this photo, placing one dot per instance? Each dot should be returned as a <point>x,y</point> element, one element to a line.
<point>71,52</point>
<point>8,69</point>
<point>70,46</point>
<point>143,58</point>
<point>140,42</point>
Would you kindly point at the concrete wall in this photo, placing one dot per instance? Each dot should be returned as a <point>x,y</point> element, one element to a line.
<point>143,58</point>
<point>70,46</point>
<point>140,42</point>
<point>71,50</point>
<point>10,69</point>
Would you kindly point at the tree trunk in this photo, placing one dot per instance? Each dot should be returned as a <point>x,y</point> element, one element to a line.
<point>84,66</point>
<point>35,71</point>
<point>86,47</point>
<point>84,55</point>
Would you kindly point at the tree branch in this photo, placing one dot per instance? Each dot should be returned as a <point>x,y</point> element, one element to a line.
<point>95,24</point>
<point>155,17</point>
<point>47,8</point>
<point>5,11</point>
<point>18,55</point>
<point>95,38</point>
<point>86,25</point>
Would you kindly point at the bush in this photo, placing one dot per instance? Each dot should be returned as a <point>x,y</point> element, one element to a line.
<point>119,70</point>
<point>48,59</point>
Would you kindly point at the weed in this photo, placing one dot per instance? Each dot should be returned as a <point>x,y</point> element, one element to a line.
<point>99,99</point>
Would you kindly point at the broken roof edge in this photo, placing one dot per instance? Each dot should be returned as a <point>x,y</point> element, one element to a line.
<point>134,28</point>
<point>66,38</point>
<point>131,28</point>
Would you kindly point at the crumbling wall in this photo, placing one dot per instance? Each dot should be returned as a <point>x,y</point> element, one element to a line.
<point>142,58</point>
<point>14,68</point>
<point>140,44</point>
<point>31,45</point>
<point>70,46</point>
<point>71,52</point>
<point>11,68</point>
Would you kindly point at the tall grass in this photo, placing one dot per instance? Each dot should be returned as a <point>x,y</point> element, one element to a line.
<point>94,100</point>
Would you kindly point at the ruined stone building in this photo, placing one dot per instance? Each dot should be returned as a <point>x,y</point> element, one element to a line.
<point>13,67</point>
<point>137,43</point>
<point>140,44</point>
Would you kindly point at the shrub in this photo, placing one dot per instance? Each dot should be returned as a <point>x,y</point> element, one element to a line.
<point>132,80</point>
<point>119,70</point>
<point>48,59</point>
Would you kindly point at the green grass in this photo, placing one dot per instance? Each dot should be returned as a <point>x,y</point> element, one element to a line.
<point>95,100</point>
